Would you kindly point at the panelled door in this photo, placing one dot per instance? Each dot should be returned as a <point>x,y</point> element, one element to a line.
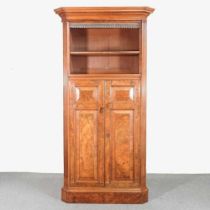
<point>86,134</point>
<point>122,137</point>
<point>104,133</point>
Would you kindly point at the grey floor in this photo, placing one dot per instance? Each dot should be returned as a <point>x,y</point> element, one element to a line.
<point>34,191</point>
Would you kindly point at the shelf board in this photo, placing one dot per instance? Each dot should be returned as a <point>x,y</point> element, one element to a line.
<point>117,76</point>
<point>136,52</point>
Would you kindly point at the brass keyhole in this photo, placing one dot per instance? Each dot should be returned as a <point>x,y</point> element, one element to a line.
<point>101,110</point>
<point>107,135</point>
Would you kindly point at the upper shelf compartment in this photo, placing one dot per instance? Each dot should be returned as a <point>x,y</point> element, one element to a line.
<point>104,37</point>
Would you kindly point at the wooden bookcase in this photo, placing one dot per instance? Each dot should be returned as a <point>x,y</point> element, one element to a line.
<point>104,104</point>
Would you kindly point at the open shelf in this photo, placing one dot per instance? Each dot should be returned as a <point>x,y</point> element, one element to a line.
<point>105,76</point>
<point>106,50</point>
<point>104,64</point>
<point>104,39</point>
<point>102,71</point>
<point>136,52</point>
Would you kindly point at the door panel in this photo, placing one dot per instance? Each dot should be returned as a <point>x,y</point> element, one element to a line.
<point>122,144</point>
<point>86,145</point>
<point>86,133</point>
<point>122,100</point>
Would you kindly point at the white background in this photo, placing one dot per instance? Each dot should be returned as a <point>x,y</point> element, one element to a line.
<point>31,110</point>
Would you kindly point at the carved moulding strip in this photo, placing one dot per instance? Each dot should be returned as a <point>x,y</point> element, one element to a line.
<point>105,25</point>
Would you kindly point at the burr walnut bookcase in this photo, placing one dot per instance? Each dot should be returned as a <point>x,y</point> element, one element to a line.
<point>104,104</point>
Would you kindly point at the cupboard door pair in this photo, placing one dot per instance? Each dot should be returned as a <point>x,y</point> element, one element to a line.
<point>104,133</point>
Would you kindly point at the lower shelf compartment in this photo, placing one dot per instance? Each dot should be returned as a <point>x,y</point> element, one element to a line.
<point>106,196</point>
<point>105,64</point>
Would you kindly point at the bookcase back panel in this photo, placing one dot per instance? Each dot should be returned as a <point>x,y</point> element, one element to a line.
<point>104,39</point>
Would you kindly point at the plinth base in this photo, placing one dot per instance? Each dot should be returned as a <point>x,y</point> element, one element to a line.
<point>102,195</point>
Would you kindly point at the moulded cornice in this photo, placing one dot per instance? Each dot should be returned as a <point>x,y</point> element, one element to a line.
<point>103,13</point>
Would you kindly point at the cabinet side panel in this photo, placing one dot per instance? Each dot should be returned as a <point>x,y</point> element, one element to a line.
<point>66,100</point>
<point>143,45</point>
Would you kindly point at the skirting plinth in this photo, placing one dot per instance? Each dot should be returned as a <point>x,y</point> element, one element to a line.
<point>104,196</point>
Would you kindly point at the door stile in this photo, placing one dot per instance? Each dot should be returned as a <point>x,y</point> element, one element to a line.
<point>101,133</point>
<point>107,132</point>
<point>137,133</point>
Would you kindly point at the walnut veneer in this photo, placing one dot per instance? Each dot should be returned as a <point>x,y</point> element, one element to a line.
<point>104,104</point>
